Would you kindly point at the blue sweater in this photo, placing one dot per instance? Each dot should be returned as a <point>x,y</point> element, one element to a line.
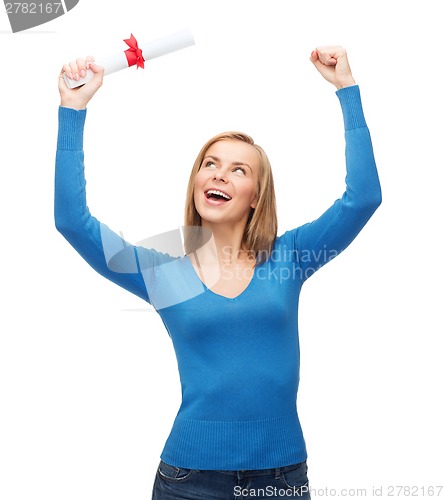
<point>238,358</point>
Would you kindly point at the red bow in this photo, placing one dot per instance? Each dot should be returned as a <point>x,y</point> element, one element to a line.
<point>134,54</point>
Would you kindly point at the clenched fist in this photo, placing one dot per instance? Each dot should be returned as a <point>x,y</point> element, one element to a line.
<point>333,65</point>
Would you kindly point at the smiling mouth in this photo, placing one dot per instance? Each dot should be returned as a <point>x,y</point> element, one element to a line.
<point>215,194</point>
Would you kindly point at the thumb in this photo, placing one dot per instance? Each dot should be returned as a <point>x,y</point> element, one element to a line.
<point>98,71</point>
<point>314,58</point>
<point>95,68</point>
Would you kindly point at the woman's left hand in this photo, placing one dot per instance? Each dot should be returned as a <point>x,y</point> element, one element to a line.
<point>333,65</point>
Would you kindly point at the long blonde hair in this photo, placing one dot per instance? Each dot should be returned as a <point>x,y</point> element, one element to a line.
<point>261,228</point>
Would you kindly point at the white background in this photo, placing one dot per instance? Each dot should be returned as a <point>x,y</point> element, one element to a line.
<point>88,379</point>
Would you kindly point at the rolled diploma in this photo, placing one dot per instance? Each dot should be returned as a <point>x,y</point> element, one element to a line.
<point>150,50</point>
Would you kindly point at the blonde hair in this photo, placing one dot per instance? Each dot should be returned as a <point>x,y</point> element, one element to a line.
<point>261,228</point>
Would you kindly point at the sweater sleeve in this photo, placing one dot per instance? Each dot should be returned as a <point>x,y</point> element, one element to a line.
<point>104,250</point>
<point>320,241</point>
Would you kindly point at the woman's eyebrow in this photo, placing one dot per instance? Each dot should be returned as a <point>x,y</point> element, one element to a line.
<point>235,163</point>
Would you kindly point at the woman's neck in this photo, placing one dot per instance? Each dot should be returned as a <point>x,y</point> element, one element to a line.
<point>224,246</point>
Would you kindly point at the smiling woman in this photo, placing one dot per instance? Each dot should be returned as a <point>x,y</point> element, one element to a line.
<point>232,163</point>
<point>230,304</point>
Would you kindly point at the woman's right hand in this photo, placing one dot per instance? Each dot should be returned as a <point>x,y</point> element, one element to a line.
<point>79,97</point>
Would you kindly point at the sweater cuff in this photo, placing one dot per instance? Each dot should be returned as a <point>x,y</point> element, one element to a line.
<point>71,125</point>
<point>350,99</point>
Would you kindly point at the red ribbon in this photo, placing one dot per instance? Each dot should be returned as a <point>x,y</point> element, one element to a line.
<point>134,54</point>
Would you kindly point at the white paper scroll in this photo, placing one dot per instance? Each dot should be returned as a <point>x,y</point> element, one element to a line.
<point>150,50</point>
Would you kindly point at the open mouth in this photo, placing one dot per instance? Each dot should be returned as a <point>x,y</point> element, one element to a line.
<point>216,195</point>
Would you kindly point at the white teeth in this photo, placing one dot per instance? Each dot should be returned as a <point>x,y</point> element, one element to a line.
<point>219,193</point>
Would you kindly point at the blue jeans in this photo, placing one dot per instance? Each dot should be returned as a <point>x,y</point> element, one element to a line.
<point>174,483</point>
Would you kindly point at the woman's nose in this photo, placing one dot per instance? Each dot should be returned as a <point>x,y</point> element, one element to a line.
<point>220,175</point>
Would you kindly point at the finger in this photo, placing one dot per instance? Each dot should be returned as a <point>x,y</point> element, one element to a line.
<point>89,60</point>
<point>81,66</point>
<point>67,69</point>
<point>327,58</point>
<point>330,62</point>
<point>74,70</point>
<point>329,55</point>
<point>314,56</point>
<point>315,59</point>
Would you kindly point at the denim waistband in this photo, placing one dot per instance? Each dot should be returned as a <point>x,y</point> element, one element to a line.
<point>251,473</point>
<point>262,472</point>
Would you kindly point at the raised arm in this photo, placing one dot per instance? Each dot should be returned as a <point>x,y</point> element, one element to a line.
<point>103,249</point>
<point>323,239</point>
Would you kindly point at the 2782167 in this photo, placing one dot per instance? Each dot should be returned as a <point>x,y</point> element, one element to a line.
<point>33,7</point>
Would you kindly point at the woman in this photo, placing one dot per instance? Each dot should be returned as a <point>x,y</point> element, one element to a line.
<point>230,304</point>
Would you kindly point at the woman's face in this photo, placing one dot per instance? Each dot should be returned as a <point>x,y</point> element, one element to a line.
<point>225,187</point>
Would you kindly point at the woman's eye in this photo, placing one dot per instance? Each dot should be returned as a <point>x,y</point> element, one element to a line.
<point>210,164</point>
<point>240,170</point>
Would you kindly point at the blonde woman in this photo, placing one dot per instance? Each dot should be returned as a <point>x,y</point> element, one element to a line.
<point>230,304</point>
